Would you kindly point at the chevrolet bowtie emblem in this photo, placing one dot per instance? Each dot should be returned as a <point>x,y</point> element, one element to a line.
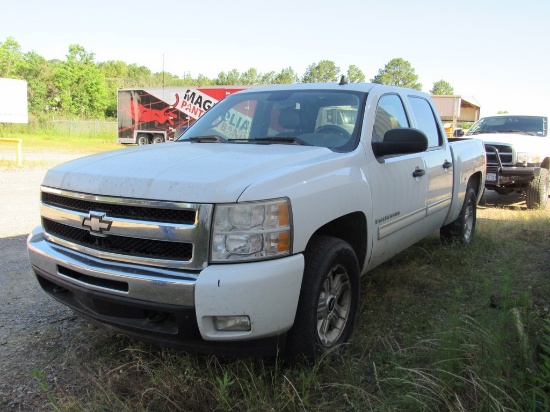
<point>96,223</point>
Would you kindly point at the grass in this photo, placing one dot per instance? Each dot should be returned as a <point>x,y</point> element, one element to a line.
<point>441,328</point>
<point>37,142</point>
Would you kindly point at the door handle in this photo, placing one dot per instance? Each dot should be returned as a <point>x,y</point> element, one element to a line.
<point>419,172</point>
<point>447,165</point>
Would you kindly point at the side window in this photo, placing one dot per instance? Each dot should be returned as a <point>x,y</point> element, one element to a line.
<point>390,114</point>
<point>426,120</point>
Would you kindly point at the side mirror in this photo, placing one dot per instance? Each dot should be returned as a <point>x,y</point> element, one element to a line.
<point>401,141</point>
<point>458,133</point>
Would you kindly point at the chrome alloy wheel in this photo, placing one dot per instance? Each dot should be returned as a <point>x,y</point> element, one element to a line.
<point>333,307</point>
<point>468,221</point>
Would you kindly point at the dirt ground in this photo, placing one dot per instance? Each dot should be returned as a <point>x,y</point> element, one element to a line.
<point>41,341</point>
<point>33,327</point>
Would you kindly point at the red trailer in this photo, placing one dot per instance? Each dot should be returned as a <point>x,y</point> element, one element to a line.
<point>155,114</point>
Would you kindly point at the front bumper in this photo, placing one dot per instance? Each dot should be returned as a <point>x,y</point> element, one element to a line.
<point>173,307</point>
<point>510,176</point>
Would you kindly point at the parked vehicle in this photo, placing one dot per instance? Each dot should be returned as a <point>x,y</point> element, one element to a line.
<point>153,114</point>
<point>250,233</point>
<point>518,155</point>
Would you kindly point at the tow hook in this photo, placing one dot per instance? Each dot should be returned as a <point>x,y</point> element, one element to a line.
<point>157,317</point>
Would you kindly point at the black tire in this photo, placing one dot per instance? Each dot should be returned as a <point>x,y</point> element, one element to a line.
<point>462,230</point>
<point>329,299</point>
<point>158,139</point>
<point>142,139</point>
<point>537,191</point>
<point>483,200</point>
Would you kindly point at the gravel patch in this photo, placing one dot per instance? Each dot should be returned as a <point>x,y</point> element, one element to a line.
<point>38,336</point>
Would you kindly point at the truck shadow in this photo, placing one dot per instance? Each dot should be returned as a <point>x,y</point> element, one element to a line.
<point>512,201</point>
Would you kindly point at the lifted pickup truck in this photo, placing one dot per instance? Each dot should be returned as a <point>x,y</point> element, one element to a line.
<point>252,230</point>
<point>518,155</point>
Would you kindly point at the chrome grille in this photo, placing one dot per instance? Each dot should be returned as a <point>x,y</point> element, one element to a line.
<point>118,210</point>
<point>146,232</point>
<point>119,244</point>
<point>504,151</point>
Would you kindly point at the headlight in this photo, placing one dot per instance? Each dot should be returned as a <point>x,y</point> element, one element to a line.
<point>251,230</point>
<point>525,158</point>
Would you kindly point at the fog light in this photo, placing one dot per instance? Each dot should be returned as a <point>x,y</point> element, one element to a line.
<point>232,323</point>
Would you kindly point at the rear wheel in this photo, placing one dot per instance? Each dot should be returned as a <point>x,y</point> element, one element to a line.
<point>537,191</point>
<point>158,139</point>
<point>329,298</point>
<point>463,228</point>
<point>142,139</point>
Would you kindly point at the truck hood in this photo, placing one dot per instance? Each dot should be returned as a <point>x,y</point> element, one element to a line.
<point>521,142</point>
<point>188,172</point>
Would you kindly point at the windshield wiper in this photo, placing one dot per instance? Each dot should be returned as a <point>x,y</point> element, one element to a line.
<point>280,139</point>
<point>214,138</point>
<point>483,132</point>
<point>520,132</point>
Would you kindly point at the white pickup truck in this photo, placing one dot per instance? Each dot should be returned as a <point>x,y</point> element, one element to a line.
<point>251,231</point>
<point>518,155</point>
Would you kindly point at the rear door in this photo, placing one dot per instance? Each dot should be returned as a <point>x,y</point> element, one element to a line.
<point>438,162</point>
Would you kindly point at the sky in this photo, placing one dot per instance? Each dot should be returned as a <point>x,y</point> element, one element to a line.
<point>494,51</point>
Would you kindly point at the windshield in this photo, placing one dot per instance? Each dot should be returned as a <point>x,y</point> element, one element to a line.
<point>529,125</point>
<point>323,118</point>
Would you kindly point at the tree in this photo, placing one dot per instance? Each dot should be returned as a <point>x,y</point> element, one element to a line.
<point>231,78</point>
<point>79,85</point>
<point>39,76</point>
<point>323,72</point>
<point>250,77</point>
<point>442,87</point>
<point>398,72</point>
<point>286,76</point>
<point>355,75</point>
<point>10,58</point>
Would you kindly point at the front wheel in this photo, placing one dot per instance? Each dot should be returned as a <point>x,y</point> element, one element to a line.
<point>537,191</point>
<point>158,139</point>
<point>329,298</point>
<point>463,228</point>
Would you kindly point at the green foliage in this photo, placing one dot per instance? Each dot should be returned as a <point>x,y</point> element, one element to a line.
<point>11,58</point>
<point>323,72</point>
<point>285,76</point>
<point>442,87</point>
<point>80,87</point>
<point>355,75</point>
<point>398,72</point>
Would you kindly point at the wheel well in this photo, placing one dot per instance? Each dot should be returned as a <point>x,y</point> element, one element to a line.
<point>475,183</point>
<point>545,163</point>
<point>351,228</point>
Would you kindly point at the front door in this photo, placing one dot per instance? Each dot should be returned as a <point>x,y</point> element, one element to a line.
<point>399,188</point>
